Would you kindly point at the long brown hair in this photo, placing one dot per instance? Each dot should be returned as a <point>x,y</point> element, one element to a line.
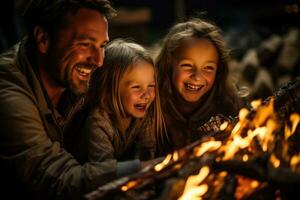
<point>177,35</point>
<point>120,56</point>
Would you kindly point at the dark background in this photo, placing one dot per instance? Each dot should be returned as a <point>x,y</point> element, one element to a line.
<point>261,17</point>
<point>246,25</point>
<point>264,17</point>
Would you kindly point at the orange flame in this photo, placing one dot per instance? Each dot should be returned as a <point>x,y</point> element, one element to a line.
<point>129,185</point>
<point>164,163</point>
<point>261,128</point>
<point>192,188</point>
<point>207,146</point>
<point>294,119</point>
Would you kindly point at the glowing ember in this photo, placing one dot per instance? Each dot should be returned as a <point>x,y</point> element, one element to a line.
<point>245,158</point>
<point>207,147</point>
<point>129,185</point>
<point>224,125</point>
<point>192,188</point>
<point>255,104</point>
<point>295,161</point>
<point>294,119</point>
<point>274,161</point>
<point>163,164</point>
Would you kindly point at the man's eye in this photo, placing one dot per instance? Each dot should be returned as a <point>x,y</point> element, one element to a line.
<point>84,44</point>
<point>103,45</point>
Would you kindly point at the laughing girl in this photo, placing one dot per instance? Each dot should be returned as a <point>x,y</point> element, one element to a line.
<point>193,81</point>
<point>124,118</point>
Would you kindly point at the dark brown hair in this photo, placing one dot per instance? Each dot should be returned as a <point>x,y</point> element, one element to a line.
<point>177,35</point>
<point>49,14</point>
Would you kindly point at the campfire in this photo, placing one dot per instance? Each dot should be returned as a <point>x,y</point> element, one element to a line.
<point>260,159</point>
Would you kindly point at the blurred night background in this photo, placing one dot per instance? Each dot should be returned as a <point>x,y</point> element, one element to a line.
<point>263,36</point>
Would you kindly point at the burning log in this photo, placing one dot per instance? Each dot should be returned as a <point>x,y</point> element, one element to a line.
<point>263,146</point>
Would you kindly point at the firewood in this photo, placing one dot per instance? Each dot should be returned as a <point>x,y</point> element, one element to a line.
<point>173,176</point>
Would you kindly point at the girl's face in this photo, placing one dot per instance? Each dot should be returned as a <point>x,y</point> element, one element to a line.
<point>195,69</point>
<point>137,89</point>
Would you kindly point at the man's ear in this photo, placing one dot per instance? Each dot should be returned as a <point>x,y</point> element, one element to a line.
<point>41,38</point>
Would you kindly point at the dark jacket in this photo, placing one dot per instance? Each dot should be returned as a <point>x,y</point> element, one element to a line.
<point>185,130</point>
<point>33,161</point>
<point>101,140</point>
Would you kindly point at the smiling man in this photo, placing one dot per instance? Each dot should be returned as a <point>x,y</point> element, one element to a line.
<point>64,45</point>
<point>68,57</point>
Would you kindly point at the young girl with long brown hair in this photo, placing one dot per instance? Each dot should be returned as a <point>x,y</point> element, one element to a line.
<point>193,81</point>
<point>122,117</point>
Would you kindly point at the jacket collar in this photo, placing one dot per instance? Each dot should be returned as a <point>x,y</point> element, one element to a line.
<point>200,114</point>
<point>26,62</point>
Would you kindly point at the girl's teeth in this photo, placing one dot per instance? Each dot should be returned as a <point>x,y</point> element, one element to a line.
<point>193,87</point>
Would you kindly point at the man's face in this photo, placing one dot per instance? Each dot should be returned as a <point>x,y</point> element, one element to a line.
<point>77,50</point>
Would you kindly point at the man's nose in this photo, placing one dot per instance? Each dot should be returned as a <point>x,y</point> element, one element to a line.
<point>97,56</point>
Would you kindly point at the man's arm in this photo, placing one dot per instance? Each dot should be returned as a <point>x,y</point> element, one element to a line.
<point>32,158</point>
